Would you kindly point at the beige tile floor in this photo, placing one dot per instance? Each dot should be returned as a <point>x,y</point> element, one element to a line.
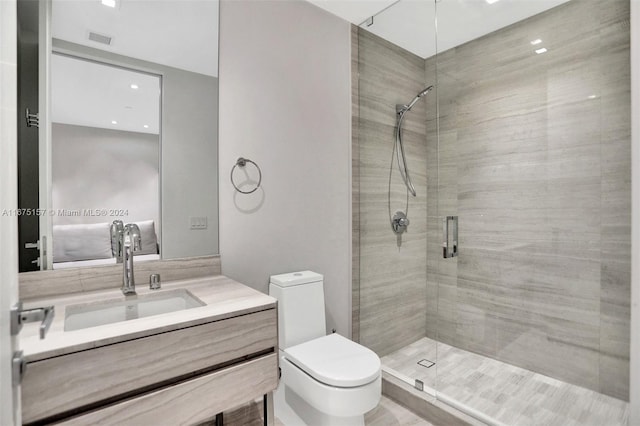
<point>508,394</point>
<point>388,413</point>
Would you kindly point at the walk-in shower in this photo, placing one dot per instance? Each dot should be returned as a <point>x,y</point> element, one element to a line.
<point>508,299</point>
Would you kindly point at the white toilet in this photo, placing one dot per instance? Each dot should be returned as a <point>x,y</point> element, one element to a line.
<point>326,379</point>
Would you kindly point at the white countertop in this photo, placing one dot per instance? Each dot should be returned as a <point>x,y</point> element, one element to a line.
<point>224,298</point>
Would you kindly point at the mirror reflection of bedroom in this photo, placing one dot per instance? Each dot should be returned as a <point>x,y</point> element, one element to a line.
<point>122,125</point>
<point>105,159</point>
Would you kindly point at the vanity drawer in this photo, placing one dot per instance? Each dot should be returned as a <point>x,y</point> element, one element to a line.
<point>87,378</point>
<point>192,401</point>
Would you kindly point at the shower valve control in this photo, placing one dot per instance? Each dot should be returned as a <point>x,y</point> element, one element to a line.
<point>400,222</point>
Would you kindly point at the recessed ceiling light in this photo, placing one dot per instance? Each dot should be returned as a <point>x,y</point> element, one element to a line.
<point>134,86</point>
<point>539,51</point>
<point>110,3</point>
<point>114,122</point>
<point>592,96</point>
<point>491,1</point>
<point>146,126</point>
<point>536,41</point>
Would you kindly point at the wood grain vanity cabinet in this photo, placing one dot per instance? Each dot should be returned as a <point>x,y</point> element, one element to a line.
<point>182,376</point>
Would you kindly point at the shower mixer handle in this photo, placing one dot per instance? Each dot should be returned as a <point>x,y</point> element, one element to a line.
<point>400,222</point>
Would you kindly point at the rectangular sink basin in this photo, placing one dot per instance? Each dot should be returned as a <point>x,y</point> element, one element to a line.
<point>88,315</point>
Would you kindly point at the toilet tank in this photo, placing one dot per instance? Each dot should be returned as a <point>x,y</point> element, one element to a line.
<point>300,307</point>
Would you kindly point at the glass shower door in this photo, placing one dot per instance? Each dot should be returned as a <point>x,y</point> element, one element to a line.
<point>393,88</point>
<point>533,153</point>
<point>506,294</point>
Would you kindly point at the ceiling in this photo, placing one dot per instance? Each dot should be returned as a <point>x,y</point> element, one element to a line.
<point>163,31</point>
<point>177,33</point>
<point>89,94</point>
<point>354,11</point>
<point>410,24</point>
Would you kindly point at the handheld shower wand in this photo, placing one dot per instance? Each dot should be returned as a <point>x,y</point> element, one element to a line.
<point>401,110</point>
<point>405,108</point>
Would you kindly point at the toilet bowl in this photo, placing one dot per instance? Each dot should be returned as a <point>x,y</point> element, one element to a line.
<point>331,380</point>
<point>326,379</point>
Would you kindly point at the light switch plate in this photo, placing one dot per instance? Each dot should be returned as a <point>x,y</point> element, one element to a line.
<point>198,222</point>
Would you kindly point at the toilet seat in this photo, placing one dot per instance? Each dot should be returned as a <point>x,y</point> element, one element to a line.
<point>335,361</point>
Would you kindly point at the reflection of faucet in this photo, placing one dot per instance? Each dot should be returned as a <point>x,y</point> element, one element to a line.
<point>117,227</point>
<point>128,241</point>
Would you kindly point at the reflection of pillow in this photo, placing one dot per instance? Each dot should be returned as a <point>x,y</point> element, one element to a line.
<point>148,236</point>
<point>81,242</point>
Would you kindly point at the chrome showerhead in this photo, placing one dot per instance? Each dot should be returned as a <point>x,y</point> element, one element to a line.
<point>425,91</point>
<point>401,109</point>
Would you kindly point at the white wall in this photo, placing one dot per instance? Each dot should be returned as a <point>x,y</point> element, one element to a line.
<point>285,103</point>
<point>8,200</point>
<point>189,163</point>
<point>105,169</point>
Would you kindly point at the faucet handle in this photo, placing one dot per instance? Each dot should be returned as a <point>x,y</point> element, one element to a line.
<point>154,281</point>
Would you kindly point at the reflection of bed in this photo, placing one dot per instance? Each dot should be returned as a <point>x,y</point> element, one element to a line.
<point>90,244</point>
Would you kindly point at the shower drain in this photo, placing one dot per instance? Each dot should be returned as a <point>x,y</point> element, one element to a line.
<point>426,363</point>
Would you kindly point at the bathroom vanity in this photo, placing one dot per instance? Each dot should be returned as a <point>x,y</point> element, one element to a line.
<point>216,350</point>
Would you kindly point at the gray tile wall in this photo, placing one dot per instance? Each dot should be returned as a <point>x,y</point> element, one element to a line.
<point>56,282</point>
<point>539,175</point>
<point>392,273</point>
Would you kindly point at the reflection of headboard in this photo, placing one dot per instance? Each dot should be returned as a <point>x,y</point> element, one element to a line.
<point>73,243</point>
<point>149,238</point>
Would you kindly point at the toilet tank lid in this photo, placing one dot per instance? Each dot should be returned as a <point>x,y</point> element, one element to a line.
<point>295,278</point>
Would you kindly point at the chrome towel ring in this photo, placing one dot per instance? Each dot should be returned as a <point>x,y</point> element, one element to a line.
<point>241,163</point>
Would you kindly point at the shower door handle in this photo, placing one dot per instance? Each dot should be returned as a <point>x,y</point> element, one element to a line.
<point>450,237</point>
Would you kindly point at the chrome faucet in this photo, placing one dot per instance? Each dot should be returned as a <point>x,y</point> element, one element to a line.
<point>128,241</point>
<point>131,242</point>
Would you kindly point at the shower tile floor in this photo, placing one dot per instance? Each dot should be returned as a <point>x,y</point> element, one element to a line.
<point>511,395</point>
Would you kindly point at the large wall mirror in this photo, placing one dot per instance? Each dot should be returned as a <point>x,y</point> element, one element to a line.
<point>127,95</point>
